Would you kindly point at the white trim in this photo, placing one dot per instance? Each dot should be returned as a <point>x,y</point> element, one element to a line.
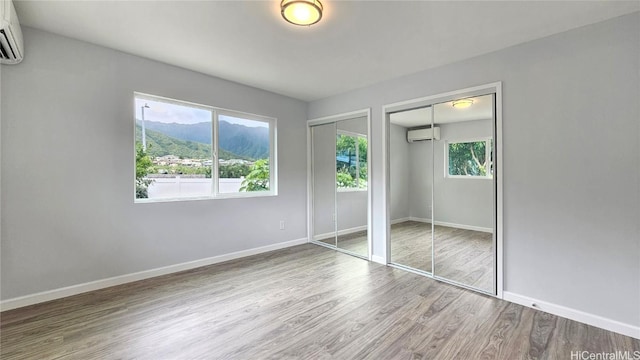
<point>452,225</point>
<point>400,220</point>
<point>378,259</point>
<point>464,227</point>
<point>440,98</point>
<point>146,274</point>
<point>363,113</point>
<point>339,233</point>
<point>499,179</point>
<point>369,189</point>
<point>573,314</point>
<point>310,204</point>
<point>338,117</point>
<point>491,88</point>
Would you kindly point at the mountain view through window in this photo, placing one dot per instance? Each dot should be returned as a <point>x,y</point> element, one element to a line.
<point>176,148</point>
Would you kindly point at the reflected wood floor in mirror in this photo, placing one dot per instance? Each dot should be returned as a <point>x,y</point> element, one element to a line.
<point>355,242</point>
<point>304,302</point>
<point>464,256</point>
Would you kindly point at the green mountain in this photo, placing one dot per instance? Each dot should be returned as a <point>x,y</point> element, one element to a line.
<point>248,142</point>
<point>159,144</point>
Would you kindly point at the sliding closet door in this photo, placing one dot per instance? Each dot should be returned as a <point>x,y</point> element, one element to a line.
<point>464,193</point>
<point>351,165</point>
<point>323,172</point>
<point>410,151</point>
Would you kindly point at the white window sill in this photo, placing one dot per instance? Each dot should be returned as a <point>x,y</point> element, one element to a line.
<point>253,194</point>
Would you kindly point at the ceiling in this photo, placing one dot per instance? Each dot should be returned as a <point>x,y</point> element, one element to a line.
<point>357,43</point>
<point>445,113</point>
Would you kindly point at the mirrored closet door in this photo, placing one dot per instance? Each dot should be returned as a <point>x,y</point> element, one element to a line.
<point>340,185</point>
<point>323,221</point>
<point>463,196</point>
<point>443,191</point>
<point>411,168</point>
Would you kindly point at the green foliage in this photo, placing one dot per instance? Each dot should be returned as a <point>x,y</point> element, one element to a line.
<point>143,165</point>
<point>344,178</point>
<point>181,169</point>
<point>160,144</point>
<point>349,166</point>
<point>234,171</point>
<point>258,178</point>
<point>468,158</point>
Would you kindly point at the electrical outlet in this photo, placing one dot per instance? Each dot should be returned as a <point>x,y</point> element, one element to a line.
<point>281,224</point>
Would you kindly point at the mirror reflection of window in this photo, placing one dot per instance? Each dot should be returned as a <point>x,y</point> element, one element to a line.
<point>470,159</point>
<point>351,161</point>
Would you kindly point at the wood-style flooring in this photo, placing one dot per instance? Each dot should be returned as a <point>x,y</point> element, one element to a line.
<point>304,302</point>
<point>464,256</point>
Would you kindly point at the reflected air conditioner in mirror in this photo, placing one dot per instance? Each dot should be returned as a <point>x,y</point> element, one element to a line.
<point>11,47</point>
<point>423,134</point>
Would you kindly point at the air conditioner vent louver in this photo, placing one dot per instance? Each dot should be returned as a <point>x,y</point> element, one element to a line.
<point>10,35</point>
<point>5,46</point>
<point>423,134</point>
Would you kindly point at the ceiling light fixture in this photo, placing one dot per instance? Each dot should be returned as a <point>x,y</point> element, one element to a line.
<point>301,12</point>
<point>462,103</point>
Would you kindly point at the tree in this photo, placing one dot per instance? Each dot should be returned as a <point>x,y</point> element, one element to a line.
<point>344,179</point>
<point>258,177</point>
<point>351,169</point>
<point>143,166</point>
<point>468,158</point>
<point>234,171</point>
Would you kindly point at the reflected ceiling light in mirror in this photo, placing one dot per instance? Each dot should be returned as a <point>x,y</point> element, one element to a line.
<point>301,12</point>
<point>462,103</point>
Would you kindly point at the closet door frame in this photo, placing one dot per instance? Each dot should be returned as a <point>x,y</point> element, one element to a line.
<point>328,120</point>
<point>495,88</point>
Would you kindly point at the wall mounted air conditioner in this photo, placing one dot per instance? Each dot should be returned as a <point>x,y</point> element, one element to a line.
<point>11,48</point>
<point>423,134</point>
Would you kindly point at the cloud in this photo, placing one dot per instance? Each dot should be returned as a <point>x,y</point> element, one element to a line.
<point>171,113</point>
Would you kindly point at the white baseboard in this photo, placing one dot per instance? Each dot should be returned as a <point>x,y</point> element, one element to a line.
<point>577,315</point>
<point>340,233</point>
<point>423,220</point>
<point>146,274</point>
<point>401,220</point>
<point>378,259</point>
<point>453,225</point>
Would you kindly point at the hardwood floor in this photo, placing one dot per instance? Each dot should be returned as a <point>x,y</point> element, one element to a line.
<point>304,302</point>
<point>464,256</point>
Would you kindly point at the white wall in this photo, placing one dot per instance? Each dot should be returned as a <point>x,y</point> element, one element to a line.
<point>400,173</point>
<point>420,179</point>
<point>68,215</point>
<point>571,161</point>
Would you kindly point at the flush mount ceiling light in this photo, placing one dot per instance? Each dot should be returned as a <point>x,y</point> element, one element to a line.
<point>462,103</point>
<point>301,12</point>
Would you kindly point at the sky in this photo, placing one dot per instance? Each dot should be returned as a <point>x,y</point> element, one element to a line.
<point>172,113</point>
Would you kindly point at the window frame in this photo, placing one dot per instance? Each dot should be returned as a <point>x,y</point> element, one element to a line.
<point>357,136</point>
<point>215,176</point>
<point>488,140</point>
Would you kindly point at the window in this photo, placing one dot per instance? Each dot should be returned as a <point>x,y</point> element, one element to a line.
<point>351,161</point>
<point>190,151</point>
<point>469,159</point>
